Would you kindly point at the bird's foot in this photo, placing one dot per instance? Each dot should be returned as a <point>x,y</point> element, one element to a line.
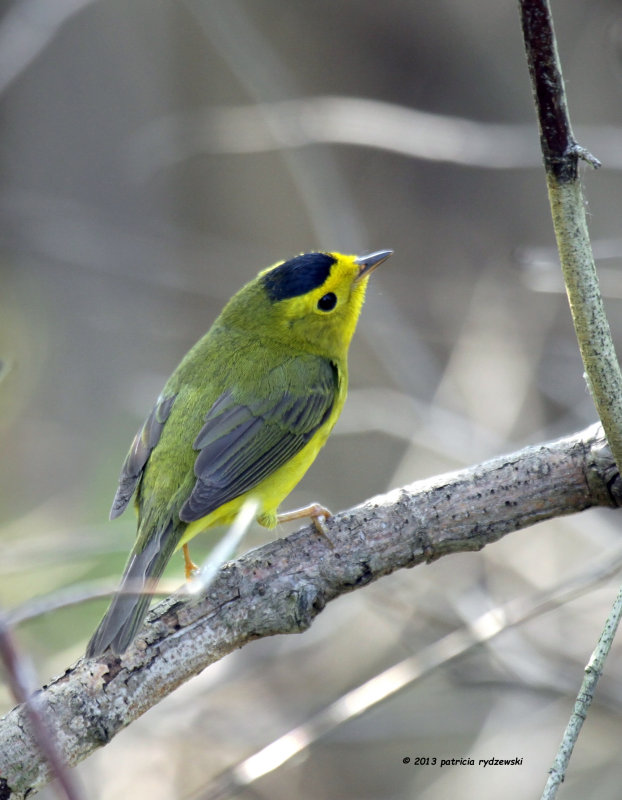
<point>316,512</point>
<point>189,564</point>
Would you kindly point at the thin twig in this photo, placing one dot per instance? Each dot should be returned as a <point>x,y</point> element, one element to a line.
<point>77,594</point>
<point>20,678</point>
<point>561,156</point>
<point>593,671</point>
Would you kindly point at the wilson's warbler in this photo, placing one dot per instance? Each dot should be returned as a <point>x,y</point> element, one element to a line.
<point>244,415</point>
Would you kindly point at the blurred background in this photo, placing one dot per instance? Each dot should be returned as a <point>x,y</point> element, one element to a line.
<point>156,155</point>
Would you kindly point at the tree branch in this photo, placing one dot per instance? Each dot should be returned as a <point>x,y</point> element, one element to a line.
<point>593,671</point>
<point>561,156</point>
<point>282,586</point>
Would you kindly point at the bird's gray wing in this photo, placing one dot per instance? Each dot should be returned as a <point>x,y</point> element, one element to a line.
<point>241,443</point>
<point>144,442</point>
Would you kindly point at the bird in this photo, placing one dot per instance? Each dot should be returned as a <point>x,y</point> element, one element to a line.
<point>244,415</point>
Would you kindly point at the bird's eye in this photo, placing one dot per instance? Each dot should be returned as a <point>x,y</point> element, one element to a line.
<point>328,302</point>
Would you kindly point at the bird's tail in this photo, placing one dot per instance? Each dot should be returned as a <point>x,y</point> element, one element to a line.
<point>130,604</point>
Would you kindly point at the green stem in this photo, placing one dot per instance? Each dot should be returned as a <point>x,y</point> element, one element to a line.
<point>593,671</point>
<point>602,370</point>
<point>561,156</point>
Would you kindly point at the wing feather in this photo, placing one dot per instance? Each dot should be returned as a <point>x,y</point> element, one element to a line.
<point>241,444</point>
<point>145,440</point>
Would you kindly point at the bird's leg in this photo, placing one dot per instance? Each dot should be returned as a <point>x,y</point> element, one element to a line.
<point>315,512</point>
<point>191,567</point>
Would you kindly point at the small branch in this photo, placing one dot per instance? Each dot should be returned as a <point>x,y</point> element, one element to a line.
<point>561,155</point>
<point>593,671</point>
<point>20,678</point>
<point>559,147</point>
<point>283,586</point>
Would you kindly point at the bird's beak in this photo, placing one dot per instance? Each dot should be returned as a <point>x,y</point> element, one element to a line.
<point>367,264</point>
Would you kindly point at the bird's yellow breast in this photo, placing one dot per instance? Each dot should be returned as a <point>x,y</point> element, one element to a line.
<point>270,492</point>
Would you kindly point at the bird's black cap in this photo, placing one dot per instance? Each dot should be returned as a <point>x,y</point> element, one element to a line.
<point>297,276</point>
